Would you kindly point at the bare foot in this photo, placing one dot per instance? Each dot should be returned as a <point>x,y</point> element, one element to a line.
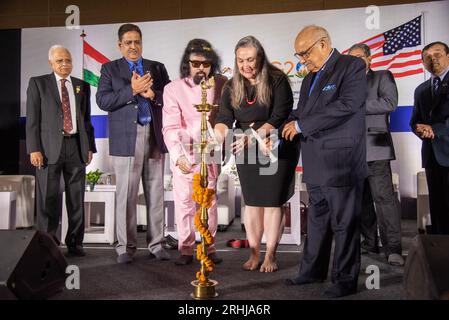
<point>251,264</point>
<point>268,265</point>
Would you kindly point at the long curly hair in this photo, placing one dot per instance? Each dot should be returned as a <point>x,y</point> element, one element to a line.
<point>203,48</point>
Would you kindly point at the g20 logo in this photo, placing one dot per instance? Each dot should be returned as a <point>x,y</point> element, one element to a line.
<point>290,69</point>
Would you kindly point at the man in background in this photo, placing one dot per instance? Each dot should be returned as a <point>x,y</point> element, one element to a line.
<point>430,122</point>
<point>381,209</point>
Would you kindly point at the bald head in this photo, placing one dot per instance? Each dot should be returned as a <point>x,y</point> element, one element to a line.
<point>313,45</point>
<point>314,32</point>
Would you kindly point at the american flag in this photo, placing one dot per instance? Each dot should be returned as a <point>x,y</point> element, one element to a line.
<point>397,49</point>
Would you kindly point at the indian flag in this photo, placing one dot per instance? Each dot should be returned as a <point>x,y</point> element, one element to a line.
<point>92,61</point>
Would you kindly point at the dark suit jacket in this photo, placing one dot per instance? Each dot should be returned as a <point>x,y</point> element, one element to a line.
<point>332,121</point>
<point>382,99</point>
<point>434,112</point>
<point>44,123</point>
<point>115,96</point>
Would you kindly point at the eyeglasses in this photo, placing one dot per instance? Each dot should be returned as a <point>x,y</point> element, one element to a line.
<point>197,64</point>
<point>305,54</point>
<point>128,43</point>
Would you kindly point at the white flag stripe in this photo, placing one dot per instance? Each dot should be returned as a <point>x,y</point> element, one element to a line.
<point>92,65</point>
<point>398,70</point>
<point>375,40</point>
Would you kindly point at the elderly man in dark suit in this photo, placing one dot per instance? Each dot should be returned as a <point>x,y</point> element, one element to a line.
<point>130,89</point>
<point>378,189</point>
<point>430,122</point>
<point>60,139</point>
<point>330,119</point>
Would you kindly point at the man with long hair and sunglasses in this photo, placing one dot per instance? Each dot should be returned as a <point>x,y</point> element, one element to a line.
<point>182,129</point>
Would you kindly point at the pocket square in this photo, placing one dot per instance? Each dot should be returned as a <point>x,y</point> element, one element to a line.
<point>329,87</point>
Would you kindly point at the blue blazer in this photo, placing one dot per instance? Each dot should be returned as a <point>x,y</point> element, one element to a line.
<point>115,96</point>
<point>434,112</point>
<point>332,121</point>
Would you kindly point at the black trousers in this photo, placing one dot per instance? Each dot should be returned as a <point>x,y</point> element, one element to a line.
<point>334,212</point>
<point>48,194</point>
<point>378,190</point>
<point>438,184</point>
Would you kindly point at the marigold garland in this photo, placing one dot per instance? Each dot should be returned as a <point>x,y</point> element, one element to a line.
<point>204,197</point>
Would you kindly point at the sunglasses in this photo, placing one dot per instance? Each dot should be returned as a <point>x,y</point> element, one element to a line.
<point>197,64</point>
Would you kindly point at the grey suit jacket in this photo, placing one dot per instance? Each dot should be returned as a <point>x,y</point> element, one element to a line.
<point>44,123</point>
<point>382,99</point>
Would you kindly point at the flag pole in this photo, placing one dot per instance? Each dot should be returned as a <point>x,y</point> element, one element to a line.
<point>83,35</point>
<point>424,37</point>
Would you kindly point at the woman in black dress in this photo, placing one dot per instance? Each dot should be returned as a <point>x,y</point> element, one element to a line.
<point>259,94</point>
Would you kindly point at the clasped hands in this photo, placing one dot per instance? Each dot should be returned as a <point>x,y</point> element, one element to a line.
<point>142,85</point>
<point>425,131</point>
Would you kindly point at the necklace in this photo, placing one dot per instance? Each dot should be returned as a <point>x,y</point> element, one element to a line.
<point>252,101</point>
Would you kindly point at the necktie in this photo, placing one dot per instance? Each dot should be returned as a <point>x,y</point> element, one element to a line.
<point>315,80</point>
<point>67,126</point>
<point>436,84</point>
<point>143,115</point>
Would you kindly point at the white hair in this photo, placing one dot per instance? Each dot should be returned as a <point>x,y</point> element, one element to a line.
<point>53,48</point>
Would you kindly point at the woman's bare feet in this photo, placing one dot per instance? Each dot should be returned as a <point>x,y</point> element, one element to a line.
<point>269,265</point>
<point>253,262</point>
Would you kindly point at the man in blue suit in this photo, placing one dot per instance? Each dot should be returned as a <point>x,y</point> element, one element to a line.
<point>430,122</point>
<point>130,89</point>
<point>330,120</point>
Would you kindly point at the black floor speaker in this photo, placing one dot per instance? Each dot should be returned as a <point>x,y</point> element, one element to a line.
<point>31,265</point>
<point>426,272</point>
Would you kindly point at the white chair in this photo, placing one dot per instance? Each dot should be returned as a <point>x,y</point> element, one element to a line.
<point>8,210</point>
<point>226,200</point>
<point>24,186</point>
<point>104,195</point>
<point>422,202</point>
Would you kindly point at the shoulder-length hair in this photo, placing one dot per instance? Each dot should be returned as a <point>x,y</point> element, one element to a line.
<point>203,48</point>
<point>264,77</point>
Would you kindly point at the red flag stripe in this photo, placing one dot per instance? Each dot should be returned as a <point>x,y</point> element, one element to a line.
<point>405,64</point>
<point>407,73</point>
<point>376,45</point>
<point>400,55</point>
<point>371,46</point>
<point>90,51</point>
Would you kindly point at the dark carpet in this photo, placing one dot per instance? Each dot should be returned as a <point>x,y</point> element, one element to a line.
<point>146,278</point>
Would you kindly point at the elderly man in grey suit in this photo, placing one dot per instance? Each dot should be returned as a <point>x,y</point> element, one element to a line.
<point>378,189</point>
<point>60,139</point>
<point>130,89</point>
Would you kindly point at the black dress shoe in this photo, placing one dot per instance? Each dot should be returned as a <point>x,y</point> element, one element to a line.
<point>215,259</point>
<point>366,248</point>
<point>76,251</point>
<point>170,243</point>
<point>338,290</point>
<point>184,260</point>
<point>300,280</point>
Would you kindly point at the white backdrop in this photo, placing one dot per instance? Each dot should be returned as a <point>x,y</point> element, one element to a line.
<point>165,41</point>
